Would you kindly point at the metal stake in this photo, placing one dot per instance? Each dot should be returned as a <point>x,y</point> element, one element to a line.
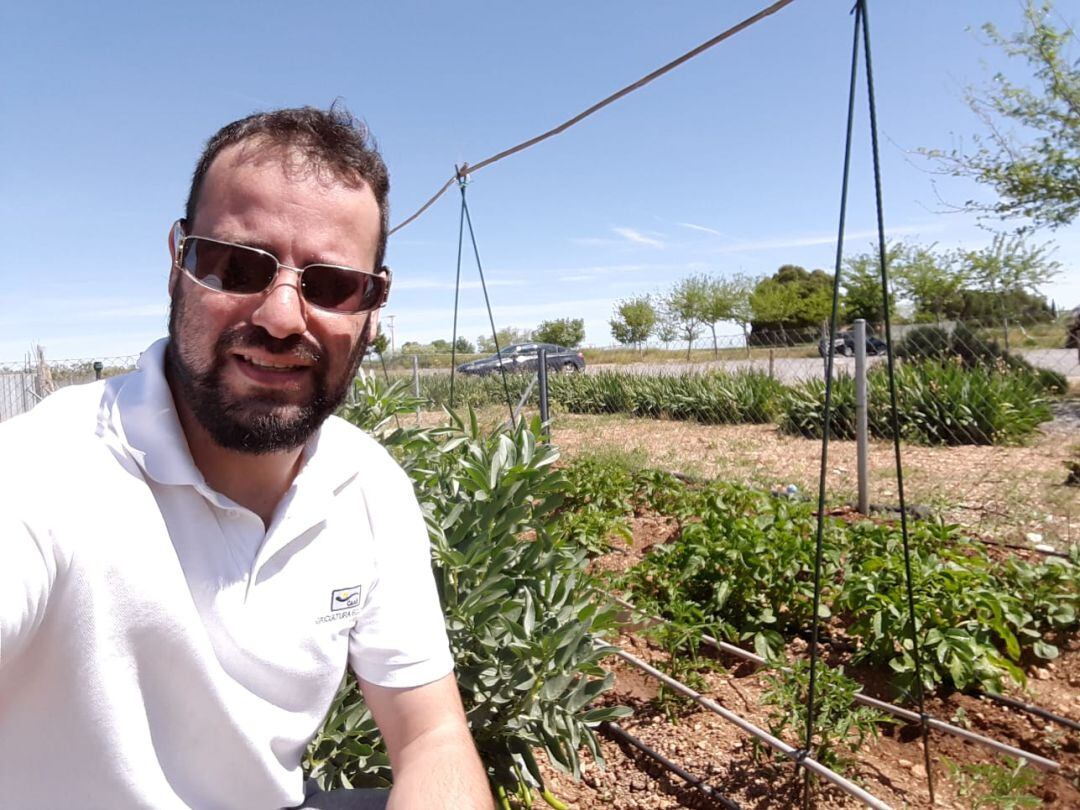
<point>861,439</point>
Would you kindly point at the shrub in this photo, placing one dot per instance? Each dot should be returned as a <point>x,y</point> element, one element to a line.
<point>710,398</point>
<point>940,403</point>
<point>521,617</point>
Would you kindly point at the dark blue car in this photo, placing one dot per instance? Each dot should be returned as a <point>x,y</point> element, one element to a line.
<point>524,357</point>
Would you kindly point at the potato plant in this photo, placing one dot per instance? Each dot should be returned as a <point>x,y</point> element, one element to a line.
<point>742,569</point>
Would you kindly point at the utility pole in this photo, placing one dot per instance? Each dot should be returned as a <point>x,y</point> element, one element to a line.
<point>390,318</point>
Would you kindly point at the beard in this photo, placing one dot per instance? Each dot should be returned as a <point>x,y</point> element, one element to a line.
<point>256,423</point>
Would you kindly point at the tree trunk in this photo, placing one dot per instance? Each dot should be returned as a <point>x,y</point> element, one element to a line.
<point>715,350</point>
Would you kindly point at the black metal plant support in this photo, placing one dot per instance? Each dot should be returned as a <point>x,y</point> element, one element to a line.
<point>861,27</point>
<point>466,219</point>
<point>808,742</point>
<point>893,415</point>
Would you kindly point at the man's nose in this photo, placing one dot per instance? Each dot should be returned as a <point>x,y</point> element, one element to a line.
<point>281,311</point>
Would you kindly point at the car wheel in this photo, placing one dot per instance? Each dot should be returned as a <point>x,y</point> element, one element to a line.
<point>569,367</point>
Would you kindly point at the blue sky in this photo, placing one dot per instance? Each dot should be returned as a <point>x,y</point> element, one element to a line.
<point>729,164</point>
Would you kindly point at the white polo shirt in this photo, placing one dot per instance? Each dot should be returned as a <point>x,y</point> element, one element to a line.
<point>158,647</point>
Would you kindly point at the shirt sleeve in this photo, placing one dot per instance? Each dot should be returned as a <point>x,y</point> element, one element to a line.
<point>399,639</point>
<point>27,573</point>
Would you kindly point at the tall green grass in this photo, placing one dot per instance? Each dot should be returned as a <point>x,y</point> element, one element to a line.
<point>710,398</point>
<point>938,403</point>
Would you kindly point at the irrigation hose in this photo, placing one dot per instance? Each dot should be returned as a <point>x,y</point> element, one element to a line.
<point>803,759</point>
<point>897,711</point>
<point>1030,708</point>
<point>622,735</point>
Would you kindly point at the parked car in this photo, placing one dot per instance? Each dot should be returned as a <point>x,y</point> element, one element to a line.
<point>845,345</point>
<point>524,357</point>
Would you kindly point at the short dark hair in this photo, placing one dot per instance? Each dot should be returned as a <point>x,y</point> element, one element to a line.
<point>332,139</point>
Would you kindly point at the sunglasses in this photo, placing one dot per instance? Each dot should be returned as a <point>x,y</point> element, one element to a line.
<point>242,270</point>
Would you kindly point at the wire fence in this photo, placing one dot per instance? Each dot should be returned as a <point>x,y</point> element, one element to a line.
<point>25,383</point>
<point>991,434</point>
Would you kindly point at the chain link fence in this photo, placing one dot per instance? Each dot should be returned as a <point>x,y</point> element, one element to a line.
<point>25,383</point>
<point>989,417</point>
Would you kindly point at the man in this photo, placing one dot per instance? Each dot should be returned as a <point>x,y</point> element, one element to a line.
<point>190,555</point>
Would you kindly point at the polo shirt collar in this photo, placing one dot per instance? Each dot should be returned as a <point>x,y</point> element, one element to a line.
<point>145,417</point>
<point>149,424</point>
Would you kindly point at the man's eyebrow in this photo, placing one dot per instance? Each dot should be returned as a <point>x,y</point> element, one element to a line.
<point>267,248</point>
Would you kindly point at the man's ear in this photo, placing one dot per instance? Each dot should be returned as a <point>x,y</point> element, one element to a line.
<point>372,328</point>
<point>176,235</point>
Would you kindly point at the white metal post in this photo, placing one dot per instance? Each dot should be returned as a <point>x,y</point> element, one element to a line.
<point>862,448</point>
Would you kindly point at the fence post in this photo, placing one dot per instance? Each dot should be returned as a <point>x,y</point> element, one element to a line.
<point>541,371</point>
<point>771,377</point>
<point>861,447</point>
<point>416,383</point>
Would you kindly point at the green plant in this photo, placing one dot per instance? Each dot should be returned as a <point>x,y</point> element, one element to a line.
<point>710,397</point>
<point>743,568</point>
<point>976,618</point>
<point>348,751</point>
<point>522,618</point>
<point>840,726</point>
<point>938,403</point>
<point>989,785</point>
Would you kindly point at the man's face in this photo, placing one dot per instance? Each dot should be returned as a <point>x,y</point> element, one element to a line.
<point>262,372</point>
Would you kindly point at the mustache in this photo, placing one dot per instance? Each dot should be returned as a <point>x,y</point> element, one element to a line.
<point>249,336</point>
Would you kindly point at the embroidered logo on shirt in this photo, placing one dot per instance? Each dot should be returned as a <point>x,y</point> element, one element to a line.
<point>345,598</point>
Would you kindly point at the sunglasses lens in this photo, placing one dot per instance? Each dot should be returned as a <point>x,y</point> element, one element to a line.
<point>228,268</point>
<point>342,290</point>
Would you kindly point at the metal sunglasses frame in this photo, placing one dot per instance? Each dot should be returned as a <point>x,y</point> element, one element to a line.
<point>180,239</point>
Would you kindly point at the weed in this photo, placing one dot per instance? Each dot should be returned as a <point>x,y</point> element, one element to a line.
<point>989,785</point>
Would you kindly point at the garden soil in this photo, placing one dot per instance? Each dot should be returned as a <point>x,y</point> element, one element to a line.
<point>723,757</point>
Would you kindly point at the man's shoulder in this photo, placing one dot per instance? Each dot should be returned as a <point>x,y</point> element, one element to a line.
<point>348,447</point>
<point>72,413</point>
<point>345,439</point>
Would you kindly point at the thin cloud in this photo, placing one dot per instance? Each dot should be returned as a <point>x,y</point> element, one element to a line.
<point>637,237</point>
<point>783,243</point>
<point>572,275</point>
<point>436,284</point>
<point>703,229</point>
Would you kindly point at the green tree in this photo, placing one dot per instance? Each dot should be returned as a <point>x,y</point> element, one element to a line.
<point>791,299</point>
<point>634,321</point>
<point>463,346</point>
<point>569,332</point>
<point>932,281</point>
<point>861,283</point>
<point>381,342</point>
<point>1008,266</point>
<point>1038,177</point>
<point>667,328</point>
<point>723,299</point>
<point>440,345</point>
<point>686,306</point>
<point>507,336</point>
